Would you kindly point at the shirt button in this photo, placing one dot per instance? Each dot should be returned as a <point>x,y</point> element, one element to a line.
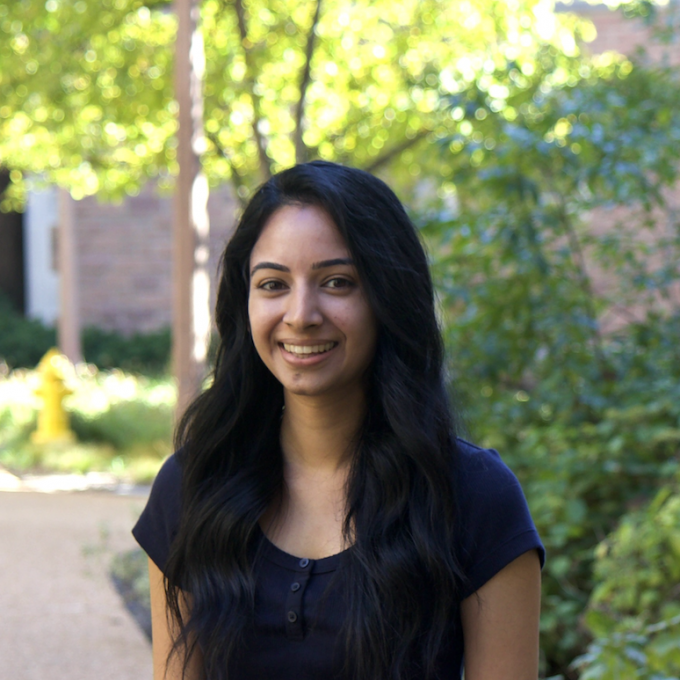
<point>292,617</point>
<point>304,562</point>
<point>295,587</point>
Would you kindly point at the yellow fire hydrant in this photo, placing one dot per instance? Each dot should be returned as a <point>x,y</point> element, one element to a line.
<point>53,423</point>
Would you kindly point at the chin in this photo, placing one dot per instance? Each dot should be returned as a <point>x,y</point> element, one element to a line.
<point>307,388</point>
<point>304,390</point>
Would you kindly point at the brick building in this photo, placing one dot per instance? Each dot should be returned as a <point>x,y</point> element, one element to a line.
<point>618,34</point>
<point>124,251</point>
<point>124,254</point>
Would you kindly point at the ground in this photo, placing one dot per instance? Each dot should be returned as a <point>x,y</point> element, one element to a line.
<point>61,615</point>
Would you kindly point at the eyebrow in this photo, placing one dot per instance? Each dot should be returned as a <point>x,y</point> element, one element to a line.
<point>317,265</point>
<point>333,263</point>
<point>269,265</point>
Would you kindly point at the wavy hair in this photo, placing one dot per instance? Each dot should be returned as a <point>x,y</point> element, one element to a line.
<point>401,581</point>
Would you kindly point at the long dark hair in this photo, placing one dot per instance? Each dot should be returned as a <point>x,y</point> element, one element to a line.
<point>401,579</point>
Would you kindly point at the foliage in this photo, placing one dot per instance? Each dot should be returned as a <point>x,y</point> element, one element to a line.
<point>638,567</point>
<point>560,310</point>
<point>86,94</point>
<point>560,316</point>
<point>123,423</point>
<point>652,653</point>
<point>127,425</point>
<point>581,472</point>
<point>24,341</point>
<point>368,77</point>
<point>86,86</point>
<point>661,16</point>
<point>130,574</point>
<point>143,353</point>
<point>635,608</point>
<point>132,567</point>
<point>524,178</point>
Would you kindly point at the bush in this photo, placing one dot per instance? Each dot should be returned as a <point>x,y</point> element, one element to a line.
<point>145,353</point>
<point>126,425</point>
<point>634,610</point>
<point>123,423</point>
<point>648,653</point>
<point>582,470</point>
<point>637,568</point>
<point>589,420</point>
<point>130,574</point>
<point>23,342</point>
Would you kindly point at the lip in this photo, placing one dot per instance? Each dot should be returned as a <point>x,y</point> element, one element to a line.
<point>305,343</point>
<point>309,360</point>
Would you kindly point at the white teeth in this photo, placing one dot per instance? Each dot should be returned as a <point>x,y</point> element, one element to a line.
<point>308,349</point>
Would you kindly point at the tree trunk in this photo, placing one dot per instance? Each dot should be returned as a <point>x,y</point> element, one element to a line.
<point>68,327</point>
<point>191,281</point>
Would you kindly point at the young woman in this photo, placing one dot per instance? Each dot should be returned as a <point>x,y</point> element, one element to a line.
<point>321,520</point>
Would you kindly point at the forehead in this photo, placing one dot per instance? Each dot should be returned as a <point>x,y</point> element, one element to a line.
<point>299,231</point>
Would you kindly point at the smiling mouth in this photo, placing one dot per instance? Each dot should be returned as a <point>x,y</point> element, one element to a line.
<point>308,350</point>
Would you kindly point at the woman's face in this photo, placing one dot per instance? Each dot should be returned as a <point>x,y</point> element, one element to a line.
<point>309,317</point>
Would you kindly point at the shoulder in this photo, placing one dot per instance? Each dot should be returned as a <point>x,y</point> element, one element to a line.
<point>157,526</point>
<point>481,471</point>
<point>495,525</point>
<point>169,476</point>
<point>166,492</point>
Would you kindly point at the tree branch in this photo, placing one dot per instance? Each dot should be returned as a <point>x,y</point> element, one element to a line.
<point>237,178</point>
<point>265,161</point>
<point>300,146</point>
<point>386,157</point>
<point>578,258</point>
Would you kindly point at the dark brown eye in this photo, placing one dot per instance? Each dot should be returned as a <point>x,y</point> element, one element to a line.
<point>271,285</point>
<point>339,282</point>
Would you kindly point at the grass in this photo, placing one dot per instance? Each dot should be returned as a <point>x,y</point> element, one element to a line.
<point>122,422</point>
<point>130,574</point>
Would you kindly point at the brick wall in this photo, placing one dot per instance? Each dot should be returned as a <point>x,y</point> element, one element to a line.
<point>125,250</point>
<point>125,255</point>
<point>616,33</point>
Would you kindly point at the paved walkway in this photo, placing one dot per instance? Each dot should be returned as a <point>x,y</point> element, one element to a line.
<point>60,617</point>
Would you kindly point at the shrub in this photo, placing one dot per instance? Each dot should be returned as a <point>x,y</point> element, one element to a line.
<point>126,425</point>
<point>589,420</point>
<point>648,653</point>
<point>637,568</point>
<point>144,353</point>
<point>123,423</point>
<point>130,574</point>
<point>23,342</point>
<point>582,471</point>
<point>634,610</point>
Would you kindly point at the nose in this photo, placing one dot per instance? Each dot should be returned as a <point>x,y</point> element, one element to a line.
<point>302,310</point>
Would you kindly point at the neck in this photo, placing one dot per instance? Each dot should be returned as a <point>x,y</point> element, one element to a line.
<point>318,433</point>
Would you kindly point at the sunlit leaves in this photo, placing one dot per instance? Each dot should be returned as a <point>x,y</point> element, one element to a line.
<point>588,419</point>
<point>377,75</point>
<point>633,611</point>
<point>88,66</point>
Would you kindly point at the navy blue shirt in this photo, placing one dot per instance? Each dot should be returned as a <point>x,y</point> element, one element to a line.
<point>299,606</point>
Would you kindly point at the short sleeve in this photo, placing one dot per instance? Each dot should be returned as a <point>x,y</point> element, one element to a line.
<point>494,519</point>
<point>158,523</point>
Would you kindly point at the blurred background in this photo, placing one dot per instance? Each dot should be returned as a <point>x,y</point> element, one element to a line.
<point>537,146</point>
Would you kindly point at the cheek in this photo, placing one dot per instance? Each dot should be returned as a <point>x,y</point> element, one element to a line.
<point>257,324</point>
<point>370,325</point>
<point>362,325</point>
<point>250,315</point>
